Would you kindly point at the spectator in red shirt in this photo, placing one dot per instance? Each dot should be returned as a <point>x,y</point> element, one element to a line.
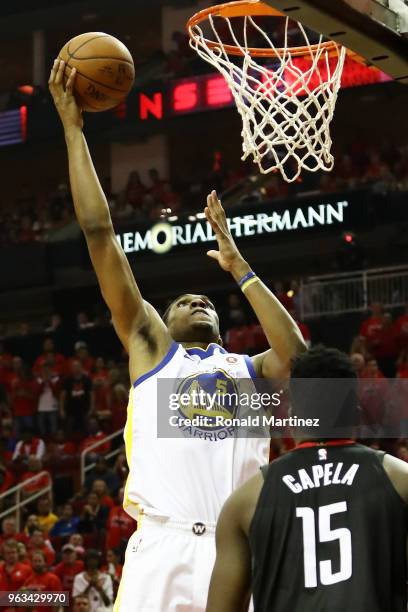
<point>100,488</point>
<point>371,327</point>
<point>15,370</point>
<point>13,573</point>
<point>41,579</point>
<point>49,357</point>
<point>23,554</point>
<point>37,543</point>
<point>29,446</point>
<point>401,329</point>
<point>120,525</point>
<point>101,388</point>
<point>49,388</point>
<point>60,448</point>
<point>69,567</point>
<point>9,531</point>
<point>95,434</point>
<point>386,348</point>
<point>62,455</point>
<point>240,339</point>
<point>23,391</point>
<point>40,477</point>
<point>82,355</point>
<point>76,399</point>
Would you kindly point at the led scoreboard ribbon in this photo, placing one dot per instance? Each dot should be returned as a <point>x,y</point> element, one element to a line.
<point>211,92</point>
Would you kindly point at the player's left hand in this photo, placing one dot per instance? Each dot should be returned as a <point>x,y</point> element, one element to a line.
<point>228,255</point>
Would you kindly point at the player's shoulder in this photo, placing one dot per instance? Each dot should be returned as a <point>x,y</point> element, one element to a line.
<point>397,472</point>
<point>174,354</point>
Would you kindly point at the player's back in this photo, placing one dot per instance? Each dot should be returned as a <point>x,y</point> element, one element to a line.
<point>329,534</point>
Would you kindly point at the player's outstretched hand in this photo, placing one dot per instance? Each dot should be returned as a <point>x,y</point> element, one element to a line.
<point>228,255</point>
<point>67,107</point>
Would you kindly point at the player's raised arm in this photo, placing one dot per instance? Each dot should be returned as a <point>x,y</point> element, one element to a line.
<point>134,319</point>
<point>280,329</point>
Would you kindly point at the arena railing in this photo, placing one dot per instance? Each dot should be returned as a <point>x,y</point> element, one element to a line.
<point>20,501</point>
<point>334,294</point>
<point>88,467</point>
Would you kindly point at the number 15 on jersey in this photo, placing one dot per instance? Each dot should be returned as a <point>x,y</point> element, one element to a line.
<point>325,534</point>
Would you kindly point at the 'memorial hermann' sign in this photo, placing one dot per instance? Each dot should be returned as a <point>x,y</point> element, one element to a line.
<point>164,236</point>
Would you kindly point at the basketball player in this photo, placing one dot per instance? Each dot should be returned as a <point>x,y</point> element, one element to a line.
<point>322,528</point>
<point>176,486</point>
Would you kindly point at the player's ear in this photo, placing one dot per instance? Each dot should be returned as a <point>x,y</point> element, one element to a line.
<point>219,341</point>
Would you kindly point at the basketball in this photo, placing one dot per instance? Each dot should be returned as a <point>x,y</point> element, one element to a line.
<point>105,70</point>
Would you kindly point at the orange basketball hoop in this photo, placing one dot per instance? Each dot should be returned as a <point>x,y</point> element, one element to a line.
<point>286,108</point>
<point>245,8</point>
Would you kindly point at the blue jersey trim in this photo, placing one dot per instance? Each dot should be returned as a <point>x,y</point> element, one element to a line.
<point>250,366</point>
<point>170,354</point>
<point>204,353</point>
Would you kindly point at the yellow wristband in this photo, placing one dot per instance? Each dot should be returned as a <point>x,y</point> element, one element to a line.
<point>248,283</point>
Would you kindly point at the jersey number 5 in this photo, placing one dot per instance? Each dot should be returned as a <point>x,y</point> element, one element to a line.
<point>326,534</point>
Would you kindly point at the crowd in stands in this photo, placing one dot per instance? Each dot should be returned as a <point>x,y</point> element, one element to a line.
<point>33,217</point>
<point>73,535</point>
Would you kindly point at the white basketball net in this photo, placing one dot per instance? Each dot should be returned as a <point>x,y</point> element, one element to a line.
<point>286,109</point>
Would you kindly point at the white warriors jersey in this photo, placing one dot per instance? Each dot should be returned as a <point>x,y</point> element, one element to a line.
<point>190,474</point>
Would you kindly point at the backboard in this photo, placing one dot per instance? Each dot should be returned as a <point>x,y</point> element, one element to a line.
<point>376,30</point>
